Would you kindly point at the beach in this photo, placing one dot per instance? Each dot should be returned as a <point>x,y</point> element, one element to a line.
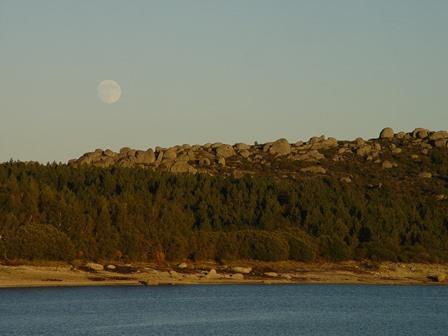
<point>61,274</point>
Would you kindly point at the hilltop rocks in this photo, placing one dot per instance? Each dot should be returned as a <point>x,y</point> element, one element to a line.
<point>316,139</point>
<point>280,158</point>
<point>312,155</point>
<point>280,147</point>
<point>438,135</point>
<point>242,146</point>
<point>396,150</point>
<point>359,141</point>
<point>244,153</point>
<point>88,158</point>
<point>420,133</point>
<point>109,153</point>
<point>225,151</point>
<point>364,150</point>
<point>387,133</point>
<point>170,154</point>
<point>401,135</point>
<point>204,162</point>
<point>314,170</point>
<point>346,179</point>
<point>146,157</point>
<point>322,143</point>
<point>387,165</point>
<point>104,162</point>
<point>441,143</point>
<point>182,167</point>
<point>238,174</point>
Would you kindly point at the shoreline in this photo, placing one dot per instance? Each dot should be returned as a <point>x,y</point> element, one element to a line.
<point>85,285</point>
<point>237,273</point>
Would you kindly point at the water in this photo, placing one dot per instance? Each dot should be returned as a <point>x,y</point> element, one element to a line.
<point>225,310</point>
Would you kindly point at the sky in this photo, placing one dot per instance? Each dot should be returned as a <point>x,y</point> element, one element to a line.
<point>198,71</point>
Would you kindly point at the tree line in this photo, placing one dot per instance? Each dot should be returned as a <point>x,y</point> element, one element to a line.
<point>56,212</point>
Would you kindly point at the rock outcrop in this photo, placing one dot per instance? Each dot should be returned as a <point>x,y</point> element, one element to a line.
<point>182,167</point>
<point>387,133</point>
<point>314,170</point>
<point>225,151</point>
<point>316,157</point>
<point>280,147</point>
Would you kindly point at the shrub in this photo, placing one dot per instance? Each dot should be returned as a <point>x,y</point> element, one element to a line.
<point>228,246</point>
<point>203,246</point>
<point>379,252</point>
<point>333,248</point>
<point>41,241</point>
<point>299,250</point>
<point>176,248</point>
<point>265,246</point>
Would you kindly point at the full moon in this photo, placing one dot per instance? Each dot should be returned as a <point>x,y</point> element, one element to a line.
<point>109,91</point>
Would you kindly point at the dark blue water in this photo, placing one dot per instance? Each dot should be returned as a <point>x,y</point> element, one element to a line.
<point>225,310</point>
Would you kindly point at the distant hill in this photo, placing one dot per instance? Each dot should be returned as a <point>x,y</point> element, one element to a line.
<point>413,152</point>
<point>379,199</point>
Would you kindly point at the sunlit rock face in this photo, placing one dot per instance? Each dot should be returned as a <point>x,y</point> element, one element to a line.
<point>318,156</point>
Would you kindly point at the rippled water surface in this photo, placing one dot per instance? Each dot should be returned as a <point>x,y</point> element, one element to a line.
<point>225,310</point>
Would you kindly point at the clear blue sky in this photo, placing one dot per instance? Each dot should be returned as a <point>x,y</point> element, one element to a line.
<point>204,71</point>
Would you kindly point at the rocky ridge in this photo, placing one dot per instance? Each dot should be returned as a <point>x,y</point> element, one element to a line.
<point>318,155</point>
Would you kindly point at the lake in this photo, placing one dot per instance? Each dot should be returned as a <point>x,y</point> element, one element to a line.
<point>225,310</point>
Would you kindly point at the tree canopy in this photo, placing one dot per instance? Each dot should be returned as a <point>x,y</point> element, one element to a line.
<point>58,212</point>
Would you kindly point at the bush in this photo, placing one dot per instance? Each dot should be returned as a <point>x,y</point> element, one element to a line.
<point>333,248</point>
<point>228,246</point>
<point>417,254</point>
<point>265,246</point>
<point>176,248</point>
<point>379,252</point>
<point>203,246</point>
<point>299,250</point>
<point>41,241</point>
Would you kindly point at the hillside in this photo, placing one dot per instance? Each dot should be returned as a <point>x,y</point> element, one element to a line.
<point>413,152</point>
<point>378,199</point>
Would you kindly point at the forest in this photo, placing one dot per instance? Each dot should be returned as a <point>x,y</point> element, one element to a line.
<point>57,212</point>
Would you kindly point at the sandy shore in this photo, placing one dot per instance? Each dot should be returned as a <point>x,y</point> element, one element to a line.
<point>261,273</point>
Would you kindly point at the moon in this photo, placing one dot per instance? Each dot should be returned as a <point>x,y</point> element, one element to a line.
<point>109,91</point>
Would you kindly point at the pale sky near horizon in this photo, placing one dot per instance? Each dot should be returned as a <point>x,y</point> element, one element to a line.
<point>228,71</point>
